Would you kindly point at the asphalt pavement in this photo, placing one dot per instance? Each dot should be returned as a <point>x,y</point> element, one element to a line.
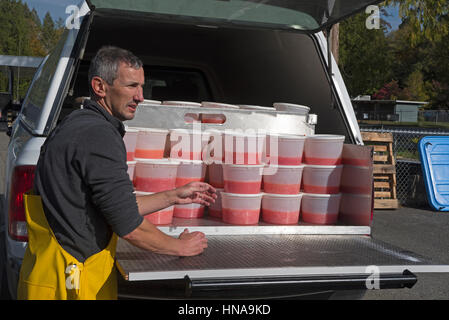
<point>419,230</point>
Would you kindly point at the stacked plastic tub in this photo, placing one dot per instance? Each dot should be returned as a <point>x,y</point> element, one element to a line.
<point>242,177</point>
<point>321,179</point>
<point>281,201</point>
<point>152,172</point>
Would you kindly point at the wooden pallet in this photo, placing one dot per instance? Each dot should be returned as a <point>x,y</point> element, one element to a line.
<point>384,171</point>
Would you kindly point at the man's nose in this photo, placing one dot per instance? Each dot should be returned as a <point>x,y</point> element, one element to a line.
<point>138,97</point>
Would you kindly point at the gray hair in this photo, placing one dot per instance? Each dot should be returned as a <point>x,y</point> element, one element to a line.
<point>106,62</point>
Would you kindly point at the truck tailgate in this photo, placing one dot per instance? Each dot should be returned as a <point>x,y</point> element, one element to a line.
<point>294,259</point>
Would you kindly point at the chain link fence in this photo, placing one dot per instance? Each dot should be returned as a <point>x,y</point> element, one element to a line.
<point>410,188</point>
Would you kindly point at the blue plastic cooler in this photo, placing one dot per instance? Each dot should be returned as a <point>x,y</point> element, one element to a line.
<point>434,154</point>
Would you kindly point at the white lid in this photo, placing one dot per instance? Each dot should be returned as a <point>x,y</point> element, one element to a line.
<point>243,195</point>
<point>181,103</point>
<point>131,162</point>
<point>276,195</point>
<point>247,106</point>
<point>320,195</point>
<point>155,130</point>
<point>151,101</point>
<point>326,137</point>
<point>210,104</point>
<point>288,136</point>
<point>131,129</point>
<point>285,106</point>
<point>164,161</point>
<point>318,166</point>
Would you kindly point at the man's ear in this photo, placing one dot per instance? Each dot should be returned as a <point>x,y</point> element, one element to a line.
<point>98,86</point>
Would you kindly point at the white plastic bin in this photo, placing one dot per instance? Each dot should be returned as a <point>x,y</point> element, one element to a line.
<point>189,171</point>
<point>150,143</point>
<point>188,211</point>
<point>286,180</point>
<point>244,179</point>
<point>289,149</point>
<point>241,209</point>
<point>321,179</point>
<point>320,208</point>
<point>152,175</point>
<point>323,149</point>
<point>281,208</point>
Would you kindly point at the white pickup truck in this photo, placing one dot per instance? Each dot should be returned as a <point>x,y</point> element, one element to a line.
<point>239,52</point>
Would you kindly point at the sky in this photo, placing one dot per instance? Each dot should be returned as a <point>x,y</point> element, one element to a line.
<point>57,10</point>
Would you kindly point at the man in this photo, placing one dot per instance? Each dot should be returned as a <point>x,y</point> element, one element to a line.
<point>84,197</point>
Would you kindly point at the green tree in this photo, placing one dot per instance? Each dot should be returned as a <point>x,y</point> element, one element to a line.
<point>426,18</point>
<point>365,58</point>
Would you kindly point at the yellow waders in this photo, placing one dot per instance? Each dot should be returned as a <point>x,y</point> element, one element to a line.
<point>48,272</point>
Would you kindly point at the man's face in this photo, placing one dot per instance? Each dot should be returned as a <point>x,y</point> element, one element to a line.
<point>126,92</point>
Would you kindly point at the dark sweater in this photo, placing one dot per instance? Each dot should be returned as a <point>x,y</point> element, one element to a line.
<point>82,179</point>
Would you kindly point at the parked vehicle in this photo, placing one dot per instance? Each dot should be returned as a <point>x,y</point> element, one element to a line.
<point>239,52</point>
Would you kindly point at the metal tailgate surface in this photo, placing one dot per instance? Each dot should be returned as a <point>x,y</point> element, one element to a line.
<point>273,255</point>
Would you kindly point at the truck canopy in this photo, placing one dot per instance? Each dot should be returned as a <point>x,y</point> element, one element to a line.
<point>308,16</point>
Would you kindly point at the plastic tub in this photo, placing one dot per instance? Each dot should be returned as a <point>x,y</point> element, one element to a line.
<point>356,209</point>
<point>164,216</point>
<point>188,211</point>
<point>281,208</point>
<point>130,140</point>
<point>251,107</point>
<point>243,179</point>
<point>290,148</point>
<point>155,175</point>
<point>323,149</point>
<point>189,171</point>
<point>321,179</point>
<point>286,180</point>
<point>244,148</point>
<point>355,179</point>
<point>188,144</point>
<point>150,143</point>
<point>189,118</point>
<point>215,208</point>
<point>320,208</point>
<point>240,208</point>
<point>215,118</point>
<point>131,168</point>
<point>297,108</point>
<point>216,175</point>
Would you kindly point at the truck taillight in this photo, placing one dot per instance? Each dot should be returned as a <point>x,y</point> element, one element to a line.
<point>22,181</point>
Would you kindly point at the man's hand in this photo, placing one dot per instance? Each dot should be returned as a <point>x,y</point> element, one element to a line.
<point>193,243</point>
<point>195,192</point>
